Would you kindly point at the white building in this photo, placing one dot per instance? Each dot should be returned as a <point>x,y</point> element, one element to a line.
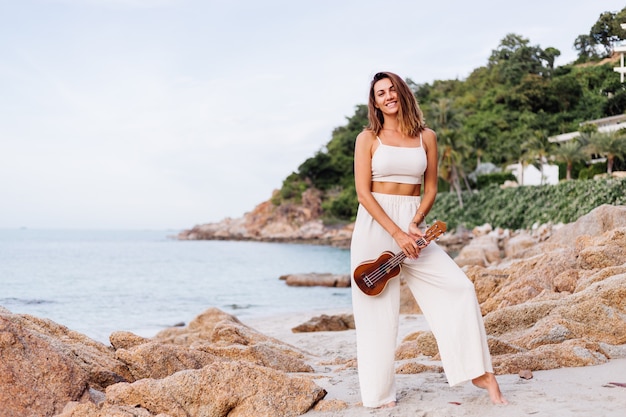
<point>530,175</point>
<point>606,124</point>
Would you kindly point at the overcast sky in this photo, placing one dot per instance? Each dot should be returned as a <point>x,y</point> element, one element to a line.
<point>164,114</point>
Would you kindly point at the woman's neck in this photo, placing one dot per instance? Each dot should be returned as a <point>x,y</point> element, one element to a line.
<point>391,123</point>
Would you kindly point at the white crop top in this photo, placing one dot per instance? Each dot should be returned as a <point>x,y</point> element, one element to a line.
<point>398,164</point>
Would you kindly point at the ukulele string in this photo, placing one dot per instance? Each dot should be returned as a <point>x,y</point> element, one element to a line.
<point>383,269</point>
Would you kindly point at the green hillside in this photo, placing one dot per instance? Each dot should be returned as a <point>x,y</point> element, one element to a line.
<point>502,113</point>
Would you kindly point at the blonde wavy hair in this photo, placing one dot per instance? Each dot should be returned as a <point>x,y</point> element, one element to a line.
<point>410,115</point>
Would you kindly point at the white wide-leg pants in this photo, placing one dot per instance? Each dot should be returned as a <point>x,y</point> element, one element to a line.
<point>444,293</point>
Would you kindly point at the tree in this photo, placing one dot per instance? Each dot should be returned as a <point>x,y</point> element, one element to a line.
<point>570,152</point>
<point>514,58</point>
<point>586,47</point>
<point>607,31</point>
<point>446,121</point>
<point>451,153</point>
<point>610,145</point>
<point>538,148</point>
<point>600,41</point>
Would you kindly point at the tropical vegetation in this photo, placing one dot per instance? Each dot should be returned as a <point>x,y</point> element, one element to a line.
<point>504,112</point>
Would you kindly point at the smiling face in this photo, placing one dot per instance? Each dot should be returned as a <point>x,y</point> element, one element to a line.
<point>390,96</point>
<point>385,96</point>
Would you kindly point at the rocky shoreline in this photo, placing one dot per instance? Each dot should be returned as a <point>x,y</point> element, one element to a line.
<point>550,300</point>
<point>288,223</point>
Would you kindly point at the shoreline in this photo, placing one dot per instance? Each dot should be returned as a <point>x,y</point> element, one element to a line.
<point>562,392</point>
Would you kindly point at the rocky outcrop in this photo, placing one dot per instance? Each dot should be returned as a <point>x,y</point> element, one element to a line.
<point>553,303</point>
<point>293,223</point>
<point>49,370</point>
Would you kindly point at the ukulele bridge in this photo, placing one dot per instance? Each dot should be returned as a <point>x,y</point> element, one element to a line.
<point>367,280</point>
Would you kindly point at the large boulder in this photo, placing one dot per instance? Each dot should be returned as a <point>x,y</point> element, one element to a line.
<point>234,389</point>
<point>34,374</point>
<point>44,365</point>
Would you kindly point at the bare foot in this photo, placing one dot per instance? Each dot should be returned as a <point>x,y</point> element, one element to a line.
<point>488,381</point>
<point>388,405</point>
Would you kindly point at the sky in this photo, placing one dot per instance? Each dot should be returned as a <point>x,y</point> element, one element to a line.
<point>165,114</point>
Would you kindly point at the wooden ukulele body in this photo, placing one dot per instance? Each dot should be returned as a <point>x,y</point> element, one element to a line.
<point>378,267</point>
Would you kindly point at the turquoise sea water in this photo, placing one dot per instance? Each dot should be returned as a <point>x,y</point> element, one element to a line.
<point>97,282</point>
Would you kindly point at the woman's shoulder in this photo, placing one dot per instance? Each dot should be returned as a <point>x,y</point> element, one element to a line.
<point>428,132</point>
<point>366,136</point>
<point>429,138</point>
<point>429,135</point>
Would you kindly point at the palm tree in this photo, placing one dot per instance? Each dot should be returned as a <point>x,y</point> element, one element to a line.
<point>446,121</point>
<point>570,152</point>
<point>538,148</point>
<point>611,145</point>
<point>443,115</point>
<point>523,155</point>
<point>451,151</point>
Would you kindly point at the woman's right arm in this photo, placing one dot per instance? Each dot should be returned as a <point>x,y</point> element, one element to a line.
<point>363,151</point>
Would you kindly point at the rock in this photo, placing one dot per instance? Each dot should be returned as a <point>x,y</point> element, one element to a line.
<point>219,390</point>
<point>34,374</point>
<point>275,356</point>
<point>595,223</point>
<point>525,279</point>
<point>224,336</point>
<point>158,360</point>
<point>517,246</point>
<point>482,250</point>
<point>452,243</point>
<point>567,354</point>
<point>317,279</point>
<point>416,344</point>
<point>483,230</point>
<point>417,368</point>
<point>566,281</point>
<point>487,283</point>
<point>203,328</point>
<point>499,347</point>
<point>325,323</point>
<point>126,340</point>
<point>525,374</point>
<point>95,359</point>
<point>602,251</point>
<point>330,406</point>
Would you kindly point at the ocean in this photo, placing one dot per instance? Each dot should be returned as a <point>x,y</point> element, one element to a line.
<point>97,282</point>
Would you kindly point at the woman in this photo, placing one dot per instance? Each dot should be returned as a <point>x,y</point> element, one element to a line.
<point>391,157</point>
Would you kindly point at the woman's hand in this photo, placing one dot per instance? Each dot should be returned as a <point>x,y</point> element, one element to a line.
<point>408,241</point>
<point>417,234</point>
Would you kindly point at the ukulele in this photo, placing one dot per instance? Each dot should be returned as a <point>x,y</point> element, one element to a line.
<point>371,276</point>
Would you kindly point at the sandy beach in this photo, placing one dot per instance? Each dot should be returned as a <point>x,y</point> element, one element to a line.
<point>581,391</point>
